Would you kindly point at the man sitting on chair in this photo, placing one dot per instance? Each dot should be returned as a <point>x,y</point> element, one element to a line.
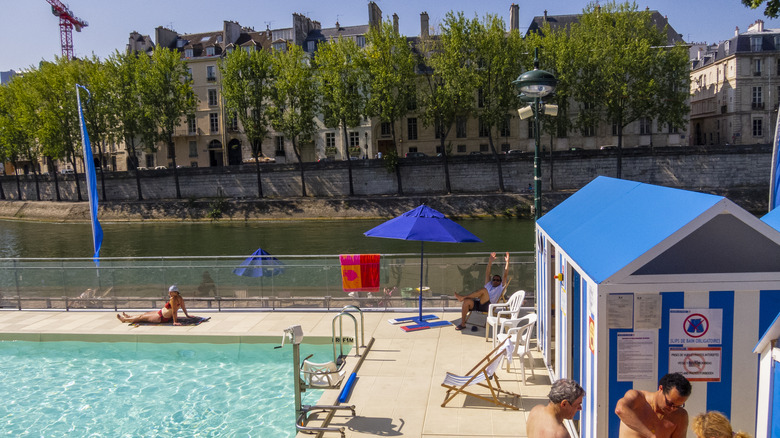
<point>483,298</point>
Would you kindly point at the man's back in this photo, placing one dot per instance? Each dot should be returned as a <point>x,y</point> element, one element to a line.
<point>542,423</point>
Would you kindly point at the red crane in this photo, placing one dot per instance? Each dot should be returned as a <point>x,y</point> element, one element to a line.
<point>67,22</point>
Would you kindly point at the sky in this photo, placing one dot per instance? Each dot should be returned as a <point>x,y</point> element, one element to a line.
<point>30,33</point>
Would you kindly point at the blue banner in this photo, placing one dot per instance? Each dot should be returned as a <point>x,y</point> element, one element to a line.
<point>89,162</point>
<point>774,180</point>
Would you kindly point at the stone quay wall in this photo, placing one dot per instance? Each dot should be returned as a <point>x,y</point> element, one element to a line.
<point>685,168</point>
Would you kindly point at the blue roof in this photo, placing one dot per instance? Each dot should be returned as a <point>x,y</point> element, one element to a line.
<point>773,219</point>
<point>610,222</point>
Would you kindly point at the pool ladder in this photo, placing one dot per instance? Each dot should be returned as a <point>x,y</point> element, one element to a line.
<point>338,359</point>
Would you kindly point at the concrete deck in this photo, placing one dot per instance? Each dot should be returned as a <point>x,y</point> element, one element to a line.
<point>397,392</point>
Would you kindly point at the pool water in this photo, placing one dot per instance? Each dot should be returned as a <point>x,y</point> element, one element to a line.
<point>125,389</point>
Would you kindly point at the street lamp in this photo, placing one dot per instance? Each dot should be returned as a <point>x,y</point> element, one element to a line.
<point>533,86</point>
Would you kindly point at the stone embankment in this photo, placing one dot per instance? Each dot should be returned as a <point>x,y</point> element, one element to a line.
<point>483,205</point>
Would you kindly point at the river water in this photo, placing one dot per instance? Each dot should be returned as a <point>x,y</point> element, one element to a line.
<point>20,239</point>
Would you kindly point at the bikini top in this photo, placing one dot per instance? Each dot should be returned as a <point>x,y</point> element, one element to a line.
<point>168,305</point>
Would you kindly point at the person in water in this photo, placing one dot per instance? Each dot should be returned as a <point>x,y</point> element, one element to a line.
<point>167,314</point>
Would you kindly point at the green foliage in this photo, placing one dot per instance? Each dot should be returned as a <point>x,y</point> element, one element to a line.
<point>391,161</point>
<point>772,9</point>
<point>217,208</point>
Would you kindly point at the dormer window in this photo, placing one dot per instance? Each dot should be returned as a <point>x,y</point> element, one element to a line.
<point>360,40</point>
<point>188,53</point>
<point>777,42</point>
<point>210,51</point>
<point>229,49</point>
<point>280,46</point>
<point>755,44</point>
<point>248,49</point>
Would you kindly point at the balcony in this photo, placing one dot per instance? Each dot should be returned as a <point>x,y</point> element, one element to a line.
<point>758,105</point>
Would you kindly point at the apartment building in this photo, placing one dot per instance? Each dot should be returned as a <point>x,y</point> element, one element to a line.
<point>735,88</point>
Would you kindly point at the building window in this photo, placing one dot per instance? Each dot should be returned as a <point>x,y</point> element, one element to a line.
<point>280,46</point>
<point>480,98</point>
<point>484,148</point>
<point>193,149</point>
<point>354,139</point>
<point>439,131</point>
<point>188,53</point>
<point>214,123</point>
<point>234,121</point>
<point>484,129</point>
<point>758,130</point>
<point>211,73</point>
<point>460,127</point>
<point>149,160</point>
<point>411,128</point>
<point>756,67</point>
<point>171,150</point>
<point>210,51</point>
<point>360,40</point>
<point>675,130</point>
<point>330,139</point>
<point>192,128</point>
<point>589,130</point>
<point>212,97</point>
<point>504,130</point>
<point>755,44</point>
<point>411,105</point>
<point>757,98</point>
<point>644,126</point>
<point>279,148</point>
<point>614,127</point>
<point>531,127</point>
<point>310,45</point>
<point>461,148</point>
<point>385,129</point>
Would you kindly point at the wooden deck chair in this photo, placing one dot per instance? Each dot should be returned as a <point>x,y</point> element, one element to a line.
<point>483,374</point>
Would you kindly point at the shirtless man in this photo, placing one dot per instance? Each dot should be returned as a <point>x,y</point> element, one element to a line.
<point>658,414</point>
<point>547,421</point>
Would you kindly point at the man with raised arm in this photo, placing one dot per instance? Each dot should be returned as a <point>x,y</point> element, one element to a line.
<point>546,421</point>
<point>658,414</point>
<point>489,294</point>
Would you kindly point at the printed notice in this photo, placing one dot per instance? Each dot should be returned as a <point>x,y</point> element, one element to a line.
<point>635,356</point>
<point>620,310</point>
<point>695,326</point>
<point>647,315</point>
<point>696,364</point>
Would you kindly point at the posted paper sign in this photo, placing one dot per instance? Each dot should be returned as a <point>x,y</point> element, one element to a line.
<point>696,364</point>
<point>636,356</point>
<point>620,310</point>
<point>695,326</point>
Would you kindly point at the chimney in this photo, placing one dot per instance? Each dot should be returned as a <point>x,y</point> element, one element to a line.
<point>736,32</point>
<point>374,15</point>
<point>424,25</point>
<point>514,17</point>
<point>545,16</point>
<point>395,23</point>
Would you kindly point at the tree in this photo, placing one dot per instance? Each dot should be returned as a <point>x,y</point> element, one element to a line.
<point>451,78</point>
<point>619,55</point>
<point>124,71</point>
<point>246,87</point>
<point>18,116</point>
<point>341,81</point>
<point>294,99</point>
<point>498,65</point>
<point>167,97</point>
<point>99,113</point>
<point>772,9</point>
<point>390,65</point>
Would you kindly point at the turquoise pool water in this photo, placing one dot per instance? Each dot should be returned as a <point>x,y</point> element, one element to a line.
<point>90,389</point>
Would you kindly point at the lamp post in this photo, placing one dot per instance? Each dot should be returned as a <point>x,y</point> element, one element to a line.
<point>533,86</point>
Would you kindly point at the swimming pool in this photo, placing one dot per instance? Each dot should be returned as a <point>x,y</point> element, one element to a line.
<point>126,389</point>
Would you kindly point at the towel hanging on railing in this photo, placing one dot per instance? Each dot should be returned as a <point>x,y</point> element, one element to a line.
<point>360,272</point>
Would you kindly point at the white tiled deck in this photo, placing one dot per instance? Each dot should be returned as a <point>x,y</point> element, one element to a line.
<point>397,392</point>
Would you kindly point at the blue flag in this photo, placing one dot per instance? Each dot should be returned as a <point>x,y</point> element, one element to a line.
<point>89,162</point>
<point>774,180</point>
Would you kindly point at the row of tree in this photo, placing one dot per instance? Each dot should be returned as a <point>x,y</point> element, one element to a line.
<point>615,65</point>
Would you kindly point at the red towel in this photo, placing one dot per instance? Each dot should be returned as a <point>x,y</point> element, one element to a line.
<point>360,272</point>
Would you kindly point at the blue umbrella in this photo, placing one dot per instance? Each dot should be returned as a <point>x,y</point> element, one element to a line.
<point>259,264</point>
<point>426,225</point>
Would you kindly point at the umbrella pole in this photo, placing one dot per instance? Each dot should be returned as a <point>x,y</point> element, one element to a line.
<point>422,251</point>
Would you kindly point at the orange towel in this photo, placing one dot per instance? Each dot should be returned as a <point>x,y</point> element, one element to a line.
<point>360,272</point>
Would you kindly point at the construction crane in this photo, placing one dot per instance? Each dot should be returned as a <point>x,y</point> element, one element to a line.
<point>67,22</point>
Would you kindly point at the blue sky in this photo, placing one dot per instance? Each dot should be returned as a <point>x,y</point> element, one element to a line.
<point>30,33</point>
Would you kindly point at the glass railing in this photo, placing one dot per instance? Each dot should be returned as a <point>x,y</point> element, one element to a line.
<point>209,282</point>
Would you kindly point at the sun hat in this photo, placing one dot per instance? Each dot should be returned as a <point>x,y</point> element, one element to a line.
<point>173,289</point>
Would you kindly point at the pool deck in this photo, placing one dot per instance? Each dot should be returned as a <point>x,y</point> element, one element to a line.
<point>397,391</point>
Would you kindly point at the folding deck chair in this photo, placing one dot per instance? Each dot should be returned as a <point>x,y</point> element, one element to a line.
<point>483,374</point>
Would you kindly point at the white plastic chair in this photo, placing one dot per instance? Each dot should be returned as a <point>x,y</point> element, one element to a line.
<point>322,375</point>
<point>503,311</point>
<point>519,332</point>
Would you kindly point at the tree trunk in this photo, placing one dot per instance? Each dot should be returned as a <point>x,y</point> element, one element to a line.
<point>18,185</point>
<point>102,177</point>
<point>76,177</point>
<point>2,192</point>
<point>300,166</point>
<point>445,161</point>
<point>37,185</point>
<point>552,181</point>
<point>255,151</point>
<point>172,149</point>
<point>53,170</point>
<point>620,150</point>
<point>134,165</point>
<point>498,162</point>
<point>345,143</point>
<point>397,164</point>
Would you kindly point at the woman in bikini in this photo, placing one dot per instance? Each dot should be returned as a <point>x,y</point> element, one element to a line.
<point>167,314</point>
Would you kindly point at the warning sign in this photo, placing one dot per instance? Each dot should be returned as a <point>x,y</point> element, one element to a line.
<point>695,326</point>
<point>696,364</point>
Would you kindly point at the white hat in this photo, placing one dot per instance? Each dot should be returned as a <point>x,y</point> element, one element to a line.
<point>173,289</point>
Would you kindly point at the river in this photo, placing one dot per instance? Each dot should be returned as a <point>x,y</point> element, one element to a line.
<point>19,239</point>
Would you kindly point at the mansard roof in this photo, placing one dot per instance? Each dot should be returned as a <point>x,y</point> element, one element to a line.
<point>566,21</point>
